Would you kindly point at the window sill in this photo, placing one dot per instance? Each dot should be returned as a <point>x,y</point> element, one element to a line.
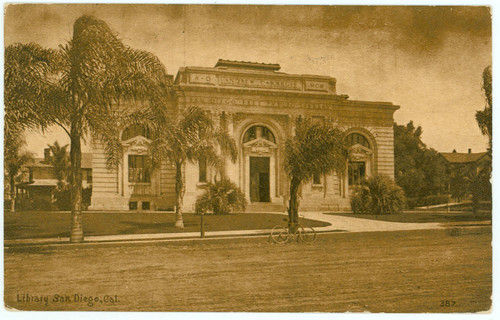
<point>139,183</point>
<point>202,184</point>
<point>317,186</point>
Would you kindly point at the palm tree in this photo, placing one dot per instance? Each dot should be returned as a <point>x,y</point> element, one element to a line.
<point>14,161</point>
<point>27,75</point>
<point>60,163</point>
<point>315,149</point>
<point>190,137</point>
<point>27,70</point>
<point>95,75</point>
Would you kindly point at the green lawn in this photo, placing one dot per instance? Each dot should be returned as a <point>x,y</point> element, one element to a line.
<point>25,225</point>
<point>407,271</point>
<point>422,216</point>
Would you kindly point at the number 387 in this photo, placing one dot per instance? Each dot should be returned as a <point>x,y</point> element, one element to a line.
<point>447,303</point>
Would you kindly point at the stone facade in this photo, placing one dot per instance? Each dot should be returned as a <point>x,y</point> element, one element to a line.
<point>258,106</point>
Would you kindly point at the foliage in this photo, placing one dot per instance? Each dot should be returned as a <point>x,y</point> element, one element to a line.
<point>484,117</point>
<point>189,137</point>
<point>59,160</point>
<point>221,197</point>
<point>427,201</point>
<point>27,78</point>
<point>14,160</point>
<point>86,197</point>
<point>80,87</point>
<point>420,171</point>
<point>62,198</point>
<point>378,195</point>
<point>314,149</point>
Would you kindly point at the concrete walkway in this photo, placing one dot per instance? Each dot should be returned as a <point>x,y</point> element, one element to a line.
<point>337,224</point>
<point>351,224</point>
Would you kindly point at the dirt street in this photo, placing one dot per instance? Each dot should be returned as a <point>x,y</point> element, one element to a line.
<point>407,271</point>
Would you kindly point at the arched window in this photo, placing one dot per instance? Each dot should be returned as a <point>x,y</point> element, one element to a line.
<point>356,170</point>
<point>134,131</point>
<point>356,138</point>
<point>259,132</point>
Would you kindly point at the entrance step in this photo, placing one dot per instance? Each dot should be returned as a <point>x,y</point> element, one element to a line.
<point>256,207</point>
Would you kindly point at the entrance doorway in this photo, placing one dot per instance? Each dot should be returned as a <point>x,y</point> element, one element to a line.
<point>259,179</point>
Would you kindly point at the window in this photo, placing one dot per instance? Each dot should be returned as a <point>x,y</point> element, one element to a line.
<point>258,132</point>
<point>356,172</point>
<point>267,134</point>
<point>132,205</point>
<point>316,178</point>
<point>356,138</point>
<point>145,205</point>
<point>138,169</point>
<point>202,166</point>
<point>134,131</point>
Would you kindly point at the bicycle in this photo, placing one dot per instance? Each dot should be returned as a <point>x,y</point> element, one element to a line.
<point>282,234</point>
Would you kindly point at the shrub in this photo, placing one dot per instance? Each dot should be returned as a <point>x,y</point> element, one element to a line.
<point>86,197</point>
<point>63,198</point>
<point>221,197</point>
<point>378,195</point>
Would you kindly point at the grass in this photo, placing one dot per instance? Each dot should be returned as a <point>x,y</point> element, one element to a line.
<point>410,271</point>
<point>422,216</point>
<point>29,224</point>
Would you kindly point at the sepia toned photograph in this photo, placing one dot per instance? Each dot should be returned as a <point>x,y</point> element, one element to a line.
<point>247,158</point>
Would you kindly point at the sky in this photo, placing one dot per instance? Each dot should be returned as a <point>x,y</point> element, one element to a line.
<point>428,60</point>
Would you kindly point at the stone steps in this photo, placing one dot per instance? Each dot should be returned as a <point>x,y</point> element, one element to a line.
<point>256,207</point>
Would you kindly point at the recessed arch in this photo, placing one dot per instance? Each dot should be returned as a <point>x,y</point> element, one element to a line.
<point>270,124</point>
<point>365,133</point>
<point>253,151</point>
<point>255,132</point>
<point>135,130</point>
<point>359,139</point>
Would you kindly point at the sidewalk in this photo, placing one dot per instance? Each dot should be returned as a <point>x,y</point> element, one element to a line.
<point>337,224</point>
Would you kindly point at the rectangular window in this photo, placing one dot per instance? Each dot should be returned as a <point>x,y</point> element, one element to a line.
<point>316,178</point>
<point>132,205</point>
<point>145,205</point>
<point>356,172</point>
<point>138,169</point>
<point>202,165</point>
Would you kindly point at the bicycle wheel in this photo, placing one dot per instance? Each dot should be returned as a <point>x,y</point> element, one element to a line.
<point>308,234</point>
<point>280,234</point>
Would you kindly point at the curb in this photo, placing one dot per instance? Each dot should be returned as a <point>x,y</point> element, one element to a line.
<point>140,239</point>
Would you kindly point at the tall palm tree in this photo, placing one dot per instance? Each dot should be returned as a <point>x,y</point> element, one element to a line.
<point>27,77</point>
<point>191,136</point>
<point>95,75</point>
<point>314,149</point>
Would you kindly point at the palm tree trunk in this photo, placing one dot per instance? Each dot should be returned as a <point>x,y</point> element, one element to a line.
<point>179,195</point>
<point>12,194</point>
<point>76,184</point>
<point>293,208</point>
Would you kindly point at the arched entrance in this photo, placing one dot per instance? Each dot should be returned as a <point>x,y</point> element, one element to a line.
<point>260,154</point>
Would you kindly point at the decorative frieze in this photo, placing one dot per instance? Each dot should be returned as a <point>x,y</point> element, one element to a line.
<point>262,82</point>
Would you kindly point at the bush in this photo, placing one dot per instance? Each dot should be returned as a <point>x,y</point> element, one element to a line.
<point>63,198</point>
<point>86,197</point>
<point>378,195</point>
<point>221,197</point>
